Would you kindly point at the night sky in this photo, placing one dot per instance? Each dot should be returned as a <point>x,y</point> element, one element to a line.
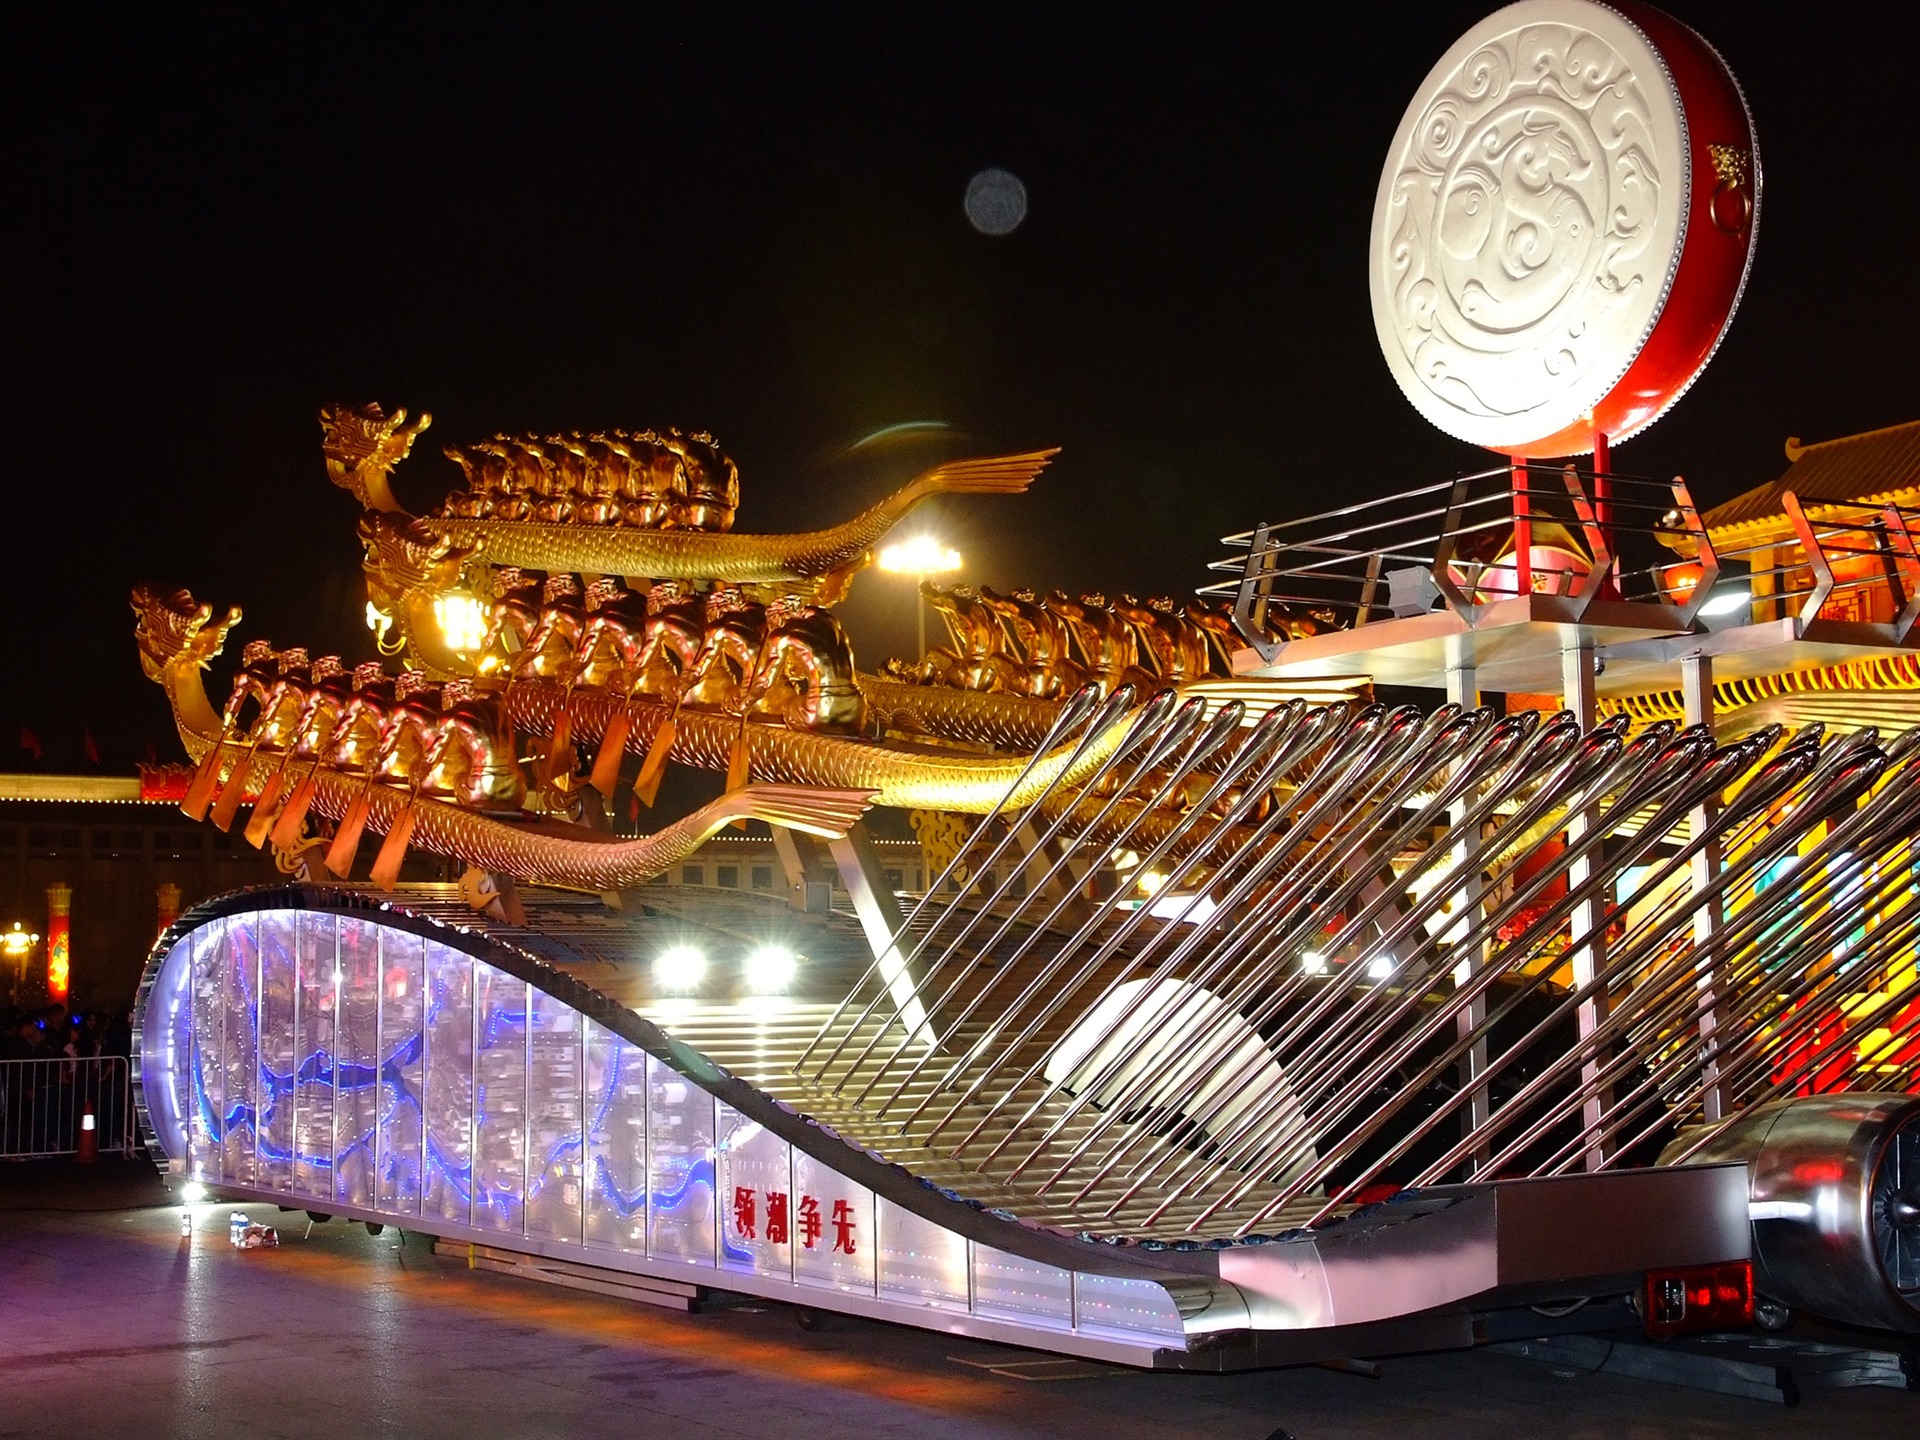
<point>749,218</point>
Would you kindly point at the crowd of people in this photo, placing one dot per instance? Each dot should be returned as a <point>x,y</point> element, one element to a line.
<point>42,1105</point>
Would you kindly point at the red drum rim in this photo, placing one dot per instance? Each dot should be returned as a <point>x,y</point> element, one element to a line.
<point>1535,275</point>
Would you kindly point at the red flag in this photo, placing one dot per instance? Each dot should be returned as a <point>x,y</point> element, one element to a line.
<point>30,743</point>
<point>92,750</point>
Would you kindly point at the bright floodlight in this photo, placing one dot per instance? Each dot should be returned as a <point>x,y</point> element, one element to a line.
<point>679,969</point>
<point>192,1193</point>
<point>462,619</point>
<point>1727,602</point>
<point>1380,967</point>
<point>1313,963</point>
<point>921,555</point>
<point>770,969</point>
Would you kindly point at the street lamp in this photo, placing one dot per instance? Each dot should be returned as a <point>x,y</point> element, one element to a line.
<point>919,557</point>
<point>17,945</point>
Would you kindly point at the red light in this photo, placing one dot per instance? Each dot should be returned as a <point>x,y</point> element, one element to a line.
<point>1698,1297</point>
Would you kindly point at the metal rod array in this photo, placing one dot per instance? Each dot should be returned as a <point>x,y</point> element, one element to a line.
<point>1222,984</point>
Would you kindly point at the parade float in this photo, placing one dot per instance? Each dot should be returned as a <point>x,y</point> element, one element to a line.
<point>1246,1018</point>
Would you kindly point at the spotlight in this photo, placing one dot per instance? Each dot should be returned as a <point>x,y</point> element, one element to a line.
<point>192,1193</point>
<point>770,969</point>
<point>1380,967</point>
<point>1313,963</point>
<point>1730,601</point>
<point>679,969</point>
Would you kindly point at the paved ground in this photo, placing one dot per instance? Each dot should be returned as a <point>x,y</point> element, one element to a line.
<point>111,1323</point>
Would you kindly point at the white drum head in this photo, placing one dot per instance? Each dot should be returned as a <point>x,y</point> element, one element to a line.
<point>1529,222</point>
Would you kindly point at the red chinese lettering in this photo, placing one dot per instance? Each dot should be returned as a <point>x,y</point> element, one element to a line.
<point>843,1227</point>
<point>810,1226</point>
<point>743,1212</point>
<point>776,1217</point>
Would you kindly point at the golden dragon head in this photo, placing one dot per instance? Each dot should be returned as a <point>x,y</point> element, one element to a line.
<point>405,559</point>
<point>362,444</point>
<point>174,631</point>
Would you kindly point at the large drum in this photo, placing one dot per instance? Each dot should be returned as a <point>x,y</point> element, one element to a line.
<point>1564,225</point>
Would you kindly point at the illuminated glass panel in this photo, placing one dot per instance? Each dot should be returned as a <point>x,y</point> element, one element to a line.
<point>209,1051</point>
<point>500,1100</point>
<point>402,1071</point>
<point>316,945</point>
<point>833,1256</point>
<point>166,1050</point>
<point>447,1079</point>
<point>680,1167</point>
<point>755,1193</point>
<point>279,987</point>
<point>449,1083</point>
<point>921,1261</point>
<point>616,1142</point>
<point>1112,1304</point>
<point>240,984</point>
<point>356,1068</point>
<point>1012,1287</point>
<point>553,1107</point>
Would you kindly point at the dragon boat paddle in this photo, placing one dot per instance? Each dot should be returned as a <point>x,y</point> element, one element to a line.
<point>286,829</point>
<point>353,824</point>
<point>200,789</point>
<point>235,790</point>
<point>562,739</point>
<point>393,850</point>
<point>646,785</point>
<point>740,753</point>
<point>263,808</point>
<point>605,775</point>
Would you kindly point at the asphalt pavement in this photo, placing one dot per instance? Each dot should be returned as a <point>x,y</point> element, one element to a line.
<point>114,1323</point>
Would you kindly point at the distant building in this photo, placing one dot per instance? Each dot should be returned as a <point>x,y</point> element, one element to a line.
<point>132,862</point>
<point>126,852</point>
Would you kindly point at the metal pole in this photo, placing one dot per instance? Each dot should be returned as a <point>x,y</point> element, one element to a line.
<point>1696,691</point>
<point>1587,951</point>
<point>920,612</point>
<point>1463,689</point>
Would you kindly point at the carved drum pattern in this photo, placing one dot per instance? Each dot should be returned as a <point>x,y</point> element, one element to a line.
<point>1563,225</point>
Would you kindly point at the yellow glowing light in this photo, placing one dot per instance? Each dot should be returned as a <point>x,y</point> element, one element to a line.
<point>462,619</point>
<point>17,942</point>
<point>378,621</point>
<point>1151,882</point>
<point>921,555</point>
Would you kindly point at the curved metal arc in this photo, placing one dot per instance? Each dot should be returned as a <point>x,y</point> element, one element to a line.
<point>1255,940</point>
<point>1339,1101</point>
<point>1619,964</point>
<point>1102,911</point>
<point>1080,705</point>
<point>1375,765</point>
<point>1242,1147</point>
<point>1294,742</point>
<point>1160,739</point>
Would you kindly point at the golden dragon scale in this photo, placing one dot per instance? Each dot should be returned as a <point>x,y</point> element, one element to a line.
<point>545,854</point>
<point>728,558</point>
<point>897,776</point>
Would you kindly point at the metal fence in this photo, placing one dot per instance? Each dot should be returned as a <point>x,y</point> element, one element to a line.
<point>45,1104</point>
